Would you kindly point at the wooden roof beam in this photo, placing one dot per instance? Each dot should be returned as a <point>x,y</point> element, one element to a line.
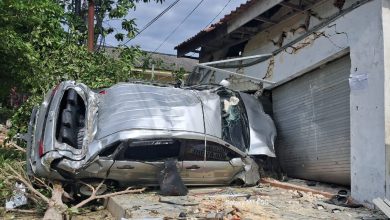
<point>292,6</point>
<point>265,20</point>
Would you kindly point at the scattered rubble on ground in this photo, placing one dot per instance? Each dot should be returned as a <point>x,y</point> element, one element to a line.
<point>3,133</point>
<point>260,202</point>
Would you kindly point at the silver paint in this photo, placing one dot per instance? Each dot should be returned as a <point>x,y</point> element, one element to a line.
<point>128,111</point>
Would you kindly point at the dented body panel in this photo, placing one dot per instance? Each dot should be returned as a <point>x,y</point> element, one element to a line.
<point>125,133</point>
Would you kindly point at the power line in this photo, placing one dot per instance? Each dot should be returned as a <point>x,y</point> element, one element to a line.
<point>217,14</point>
<point>178,26</point>
<point>153,20</point>
<point>212,20</point>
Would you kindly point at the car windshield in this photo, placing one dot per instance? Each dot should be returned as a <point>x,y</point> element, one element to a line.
<point>235,128</point>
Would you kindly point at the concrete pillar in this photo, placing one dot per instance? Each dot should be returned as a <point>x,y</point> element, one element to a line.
<point>386,47</point>
<point>369,105</point>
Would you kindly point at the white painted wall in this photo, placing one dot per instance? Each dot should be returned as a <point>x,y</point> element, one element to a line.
<point>366,36</point>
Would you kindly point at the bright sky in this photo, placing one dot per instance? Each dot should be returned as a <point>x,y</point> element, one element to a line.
<point>152,37</point>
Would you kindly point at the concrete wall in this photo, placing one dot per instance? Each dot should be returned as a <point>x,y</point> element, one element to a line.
<point>386,38</point>
<point>362,33</point>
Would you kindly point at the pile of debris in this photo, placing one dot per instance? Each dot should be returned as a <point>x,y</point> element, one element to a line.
<point>259,202</point>
<point>3,133</point>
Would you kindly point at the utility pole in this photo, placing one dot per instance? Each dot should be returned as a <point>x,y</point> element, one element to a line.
<point>91,28</point>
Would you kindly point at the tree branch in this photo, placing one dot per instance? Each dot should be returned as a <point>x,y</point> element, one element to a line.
<point>94,196</point>
<point>20,178</point>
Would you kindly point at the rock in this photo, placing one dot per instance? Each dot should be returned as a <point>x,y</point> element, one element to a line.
<point>211,215</point>
<point>219,215</point>
<point>297,195</point>
<point>311,183</point>
<point>230,210</point>
<point>330,207</point>
<point>178,200</point>
<point>182,215</point>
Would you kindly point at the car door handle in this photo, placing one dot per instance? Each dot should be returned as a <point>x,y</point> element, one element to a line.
<point>125,167</point>
<point>193,167</point>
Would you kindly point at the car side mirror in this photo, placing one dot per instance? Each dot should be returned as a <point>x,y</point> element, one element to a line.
<point>236,162</point>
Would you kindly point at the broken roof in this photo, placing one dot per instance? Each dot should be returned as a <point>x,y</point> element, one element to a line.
<point>240,9</point>
<point>243,23</point>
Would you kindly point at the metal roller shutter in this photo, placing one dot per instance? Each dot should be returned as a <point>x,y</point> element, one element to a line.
<point>313,120</point>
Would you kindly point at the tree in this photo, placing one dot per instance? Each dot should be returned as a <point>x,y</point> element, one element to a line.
<point>42,44</point>
<point>104,10</point>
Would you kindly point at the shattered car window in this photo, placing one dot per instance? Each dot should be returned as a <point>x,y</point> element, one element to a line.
<point>150,150</point>
<point>234,120</point>
<point>194,151</point>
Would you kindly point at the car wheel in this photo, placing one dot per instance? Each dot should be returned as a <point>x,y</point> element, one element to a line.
<point>86,190</point>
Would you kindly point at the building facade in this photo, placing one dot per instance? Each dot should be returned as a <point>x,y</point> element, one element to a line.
<point>330,61</point>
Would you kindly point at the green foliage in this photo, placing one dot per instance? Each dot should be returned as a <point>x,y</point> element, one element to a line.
<point>7,156</point>
<point>179,74</point>
<point>5,113</point>
<point>36,52</point>
<point>76,13</point>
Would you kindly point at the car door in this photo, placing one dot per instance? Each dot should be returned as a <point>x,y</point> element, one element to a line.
<point>135,172</point>
<point>215,170</point>
<point>193,165</point>
<point>141,161</point>
<point>219,168</point>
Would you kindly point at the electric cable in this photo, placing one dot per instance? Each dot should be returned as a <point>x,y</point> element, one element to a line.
<point>153,20</point>
<point>178,26</point>
<point>212,20</point>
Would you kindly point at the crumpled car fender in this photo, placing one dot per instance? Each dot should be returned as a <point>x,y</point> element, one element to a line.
<point>250,175</point>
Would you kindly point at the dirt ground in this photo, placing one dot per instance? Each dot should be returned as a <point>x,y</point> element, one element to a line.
<point>260,202</point>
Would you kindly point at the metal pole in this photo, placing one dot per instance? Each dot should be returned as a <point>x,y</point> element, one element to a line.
<point>237,59</point>
<point>236,74</point>
<point>152,71</point>
<point>91,16</point>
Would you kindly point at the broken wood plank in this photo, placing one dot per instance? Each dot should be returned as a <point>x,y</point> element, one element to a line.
<point>282,185</point>
<point>385,208</point>
<point>387,201</point>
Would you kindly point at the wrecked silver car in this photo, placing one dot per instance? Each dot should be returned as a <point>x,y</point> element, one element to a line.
<point>125,132</point>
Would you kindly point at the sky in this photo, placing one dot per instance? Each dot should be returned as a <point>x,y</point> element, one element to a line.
<point>153,36</point>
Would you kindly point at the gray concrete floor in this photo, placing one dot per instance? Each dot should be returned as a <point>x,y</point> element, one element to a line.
<point>260,202</point>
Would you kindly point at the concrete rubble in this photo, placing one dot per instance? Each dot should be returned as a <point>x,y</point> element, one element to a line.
<point>259,202</point>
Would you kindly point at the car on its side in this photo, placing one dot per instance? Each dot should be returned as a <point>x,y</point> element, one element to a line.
<point>125,133</point>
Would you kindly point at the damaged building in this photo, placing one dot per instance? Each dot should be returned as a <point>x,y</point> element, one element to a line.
<point>330,64</point>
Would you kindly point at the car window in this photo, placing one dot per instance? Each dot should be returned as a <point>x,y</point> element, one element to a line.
<point>150,151</point>
<point>194,151</point>
<point>235,129</point>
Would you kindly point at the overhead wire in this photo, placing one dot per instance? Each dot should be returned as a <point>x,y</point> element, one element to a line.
<point>153,20</point>
<point>212,20</point>
<point>178,26</point>
<point>217,14</point>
